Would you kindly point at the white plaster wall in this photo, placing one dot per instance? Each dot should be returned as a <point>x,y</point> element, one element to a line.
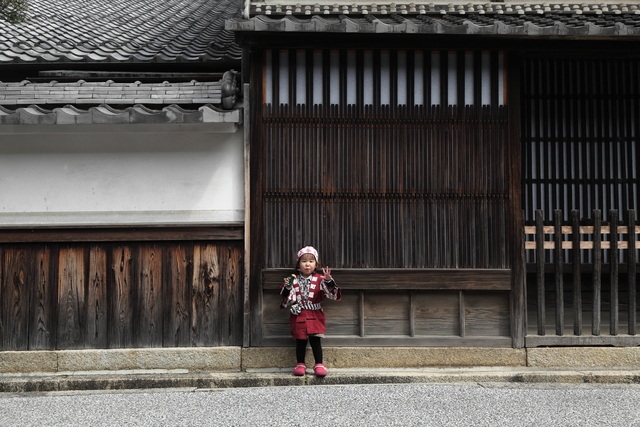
<point>104,177</point>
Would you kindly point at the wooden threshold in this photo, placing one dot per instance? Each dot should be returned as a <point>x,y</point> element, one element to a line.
<point>117,234</point>
<point>408,278</point>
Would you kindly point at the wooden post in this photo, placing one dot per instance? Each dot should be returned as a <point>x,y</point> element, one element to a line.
<point>559,267</point>
<point>597,271</point>
<point>631,269</point>
<point>577,279</point>
<point>613,237</point>
<point>540,272</point>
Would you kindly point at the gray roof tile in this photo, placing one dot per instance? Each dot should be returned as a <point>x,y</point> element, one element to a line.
<point>104,114</point>
<point>82,92</point>
<point>120,31</point>
<point>560,19</point>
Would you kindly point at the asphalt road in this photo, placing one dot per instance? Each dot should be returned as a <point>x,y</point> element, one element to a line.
<point>503,404</point>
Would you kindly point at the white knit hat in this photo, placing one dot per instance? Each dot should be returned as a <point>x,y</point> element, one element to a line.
<point>307,250</point>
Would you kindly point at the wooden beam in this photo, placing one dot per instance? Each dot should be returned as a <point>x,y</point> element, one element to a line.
<point>408,279</point>
<point>120,234</point>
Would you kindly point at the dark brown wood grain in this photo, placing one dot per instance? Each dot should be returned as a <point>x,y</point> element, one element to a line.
<point>205,296</point>
<point>231,302</point>
<point>96,302</point>
<point>71,326</point>
<point>121,295</point>
<point>177,278</point>
<point>16,298</point>
<point>121,286</point>
<point>148,314</point>
<point>42,327</point>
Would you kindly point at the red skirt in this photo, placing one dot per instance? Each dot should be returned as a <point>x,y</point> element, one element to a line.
<point>306,323</point>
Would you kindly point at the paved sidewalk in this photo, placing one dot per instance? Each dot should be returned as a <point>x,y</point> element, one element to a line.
<point>182,378</point>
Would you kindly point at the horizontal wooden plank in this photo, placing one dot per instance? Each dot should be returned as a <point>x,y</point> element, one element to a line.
<point>574,340</point>
<point>407,279</point>
<point>622,244</point>
<point>584,268</point>
<point>584,229</point>
<point>380,341</point>
<point>119,234</point>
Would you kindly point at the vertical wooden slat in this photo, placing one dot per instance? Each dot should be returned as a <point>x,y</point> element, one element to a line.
<point>514,214</point>
<point>148,311</point>
<point>540,273</point>
<point>205,296</point>
<point>613,262</point>
<point>121,304</point>
<point>577,273</point>
<point>412,314</point>
<point>559,268</point>
<point>16,298</point>
<point>42,324</point>
<point>175,297</point>
<point>97,305</point>
<point>230,304</point>
<point>444,78</point>
<point>463,314</point>
<point>631,270</point>
<point>71,298</point>
<point>460,77</point>
<point>361,319</point>
<point>597,271</point>
<point>257,211</point>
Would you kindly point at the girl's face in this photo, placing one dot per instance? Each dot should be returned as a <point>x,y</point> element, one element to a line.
<point>307,264</point>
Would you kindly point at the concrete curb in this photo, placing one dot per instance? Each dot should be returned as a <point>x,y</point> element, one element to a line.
<point>22,383</point>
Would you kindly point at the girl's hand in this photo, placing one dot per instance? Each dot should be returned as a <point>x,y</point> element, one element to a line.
<point>327,274</point>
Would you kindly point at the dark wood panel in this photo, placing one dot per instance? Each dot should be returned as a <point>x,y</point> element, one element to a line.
<point>42,327</point>
<point>97,306</point>
<point>71,298</point>
<point>453,279</point>
<point>121,295</point>
<point>121,308</point>
<point>206,295</point>
<point>231,297</point>
<point>32,235</point>
<point>148,308</point>
<point>176,295</point>
<point>16,298</point>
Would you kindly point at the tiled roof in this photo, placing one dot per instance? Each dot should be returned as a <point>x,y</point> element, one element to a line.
<point>81,92</point>
<point>122,31</point>
<point>525,19</point>
<point>103,114</point>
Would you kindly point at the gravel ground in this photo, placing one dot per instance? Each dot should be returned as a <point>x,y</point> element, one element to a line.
<point>377,405</point>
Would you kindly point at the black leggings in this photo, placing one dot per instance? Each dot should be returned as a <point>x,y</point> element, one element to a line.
<point>316,347</point>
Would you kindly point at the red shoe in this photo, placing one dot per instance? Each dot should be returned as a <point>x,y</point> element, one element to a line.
<point>300,370</point>
<point>320,370</point>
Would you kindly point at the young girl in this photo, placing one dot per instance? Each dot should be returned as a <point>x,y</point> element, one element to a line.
<point>302,294</point>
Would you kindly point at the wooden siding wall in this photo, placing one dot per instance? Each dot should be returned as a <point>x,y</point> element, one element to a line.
<point>120,295</point>
<point>580,133</point>
<point>403,187</point>
<point>407,201</point>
